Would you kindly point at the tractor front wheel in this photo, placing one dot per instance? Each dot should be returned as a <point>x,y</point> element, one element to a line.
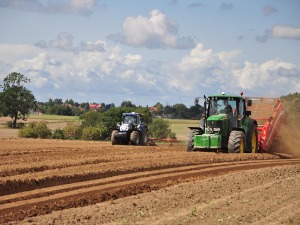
<point>191,137</point>
<point>236,142</point>
<point>134,138</point>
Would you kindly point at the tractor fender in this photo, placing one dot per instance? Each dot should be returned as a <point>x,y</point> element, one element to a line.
<point>142,128</point>
<point>196,128</point>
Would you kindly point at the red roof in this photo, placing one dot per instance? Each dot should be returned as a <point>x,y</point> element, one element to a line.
<point>94,106</point>
<point>153,109</point>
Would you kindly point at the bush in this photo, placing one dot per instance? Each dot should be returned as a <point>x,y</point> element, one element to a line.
<point>172,135</point>
<point>159,128</point>
<point>42,130</point>
<point>27,132</point>
<point>72,131</point>
<point>93,133</point>
<point>58,134</point>
<point>35,130</point>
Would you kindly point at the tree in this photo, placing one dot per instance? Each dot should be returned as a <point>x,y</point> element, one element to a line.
<point>58,101</point>
<point>16,100</point>
<point>127,104</point>
<point>91,118</point>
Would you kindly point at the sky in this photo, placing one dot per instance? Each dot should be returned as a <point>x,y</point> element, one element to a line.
<point>149,51</point>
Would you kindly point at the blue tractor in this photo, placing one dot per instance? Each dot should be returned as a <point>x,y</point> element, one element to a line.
<point>130,131</point>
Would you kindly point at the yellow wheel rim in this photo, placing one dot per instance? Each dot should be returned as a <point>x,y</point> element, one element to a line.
<point>242,146</point>
<point>254,143</point>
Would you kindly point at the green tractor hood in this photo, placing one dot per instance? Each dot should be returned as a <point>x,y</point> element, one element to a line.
<point>217,117</point>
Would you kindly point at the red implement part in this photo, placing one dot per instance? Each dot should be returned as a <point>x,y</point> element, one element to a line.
<point>269,114</point>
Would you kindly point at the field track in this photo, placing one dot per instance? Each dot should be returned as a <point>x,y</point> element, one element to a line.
<point>36,187</point>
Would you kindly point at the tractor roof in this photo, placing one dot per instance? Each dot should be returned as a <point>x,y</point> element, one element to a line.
<point>223,95</point>
<point>131,114</point>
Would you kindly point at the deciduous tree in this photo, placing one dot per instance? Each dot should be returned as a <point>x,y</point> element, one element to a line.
<point>16,100</point>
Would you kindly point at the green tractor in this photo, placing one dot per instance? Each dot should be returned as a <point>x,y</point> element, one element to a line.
<point>225,126</point>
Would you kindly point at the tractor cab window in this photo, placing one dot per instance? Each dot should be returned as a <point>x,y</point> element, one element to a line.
<point>222,106</point>
<point>241,110</point>
<point>130,119</point>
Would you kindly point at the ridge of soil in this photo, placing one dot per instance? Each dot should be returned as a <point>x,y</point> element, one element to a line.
<point>48,179</point>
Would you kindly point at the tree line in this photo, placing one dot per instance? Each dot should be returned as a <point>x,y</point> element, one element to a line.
<point>71,108</point>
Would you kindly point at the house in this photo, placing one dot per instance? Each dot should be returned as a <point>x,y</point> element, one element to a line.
<point>95,106</point>
<point>153,109</point>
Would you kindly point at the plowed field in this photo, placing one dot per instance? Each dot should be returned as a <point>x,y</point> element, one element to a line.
<point>81,182</point>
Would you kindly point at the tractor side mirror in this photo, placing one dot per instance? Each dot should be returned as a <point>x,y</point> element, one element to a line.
<point>249,102</point>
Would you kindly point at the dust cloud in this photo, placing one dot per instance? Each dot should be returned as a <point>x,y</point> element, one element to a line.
<point>287,141</point>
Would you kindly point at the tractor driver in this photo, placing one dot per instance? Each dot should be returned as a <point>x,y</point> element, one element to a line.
<point>228,108</point>
<point>131,119</point>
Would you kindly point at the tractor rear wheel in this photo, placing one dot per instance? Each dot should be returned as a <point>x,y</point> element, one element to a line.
<point>236,142</point>
<point>144,138</point>
<point>134,138</point>
<point>190,138</point>
<point>252,139</point>
<point>112,138</point>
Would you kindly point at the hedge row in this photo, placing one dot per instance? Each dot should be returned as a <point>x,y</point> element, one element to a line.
<point>70,132</point>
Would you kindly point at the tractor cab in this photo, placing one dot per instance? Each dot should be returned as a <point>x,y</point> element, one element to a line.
<point>228,110</point>
<point>134,118</point>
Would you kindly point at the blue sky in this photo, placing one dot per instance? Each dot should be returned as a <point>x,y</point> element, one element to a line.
<point>151,51</point>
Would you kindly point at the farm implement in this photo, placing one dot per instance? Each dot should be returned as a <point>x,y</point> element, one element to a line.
<point>236,124</point>
<point>269,114</point>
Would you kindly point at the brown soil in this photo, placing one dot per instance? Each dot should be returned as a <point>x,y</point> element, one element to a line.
<point>67,182</point>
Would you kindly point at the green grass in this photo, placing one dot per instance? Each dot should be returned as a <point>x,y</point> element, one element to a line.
<point>180,127</point>
<point>54,117</point>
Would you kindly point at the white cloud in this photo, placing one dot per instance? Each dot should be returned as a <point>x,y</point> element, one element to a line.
<point>98,46</point>
<point>64,41</point>
<point>272,76</point>
<point>156,31</point>
<point>114,76</point>
<point>282,31</point>
<point>200,58</point>
<point>204,72</point>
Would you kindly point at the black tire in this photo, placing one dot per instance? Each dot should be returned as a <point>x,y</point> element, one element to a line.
<point>112,138</point>
<point>236,142</point>
<point>190,139</point>
<point>144,138</point>
<point>134,138</point>
<point>252,138</point>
